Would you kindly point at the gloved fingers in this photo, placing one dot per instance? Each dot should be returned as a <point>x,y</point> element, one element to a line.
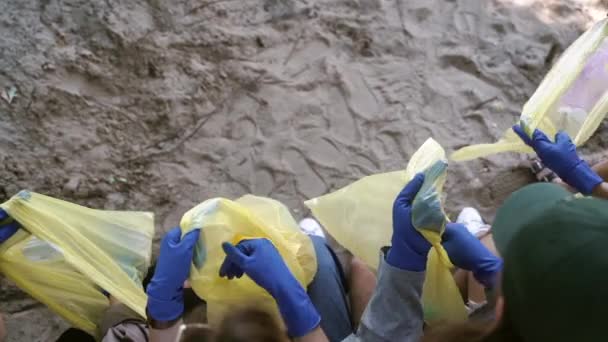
<point>229,269</point>
<point>173,236</point>
<point>7,230</point>
<point>519,130</point>
<point>250,246</point>
<point>452,230</point>
<point>247,246</point>
<point>189,240</point>
<point>407,195</point>
<point>234,271</point>
<point>234,254</point>
<point>225,267</point>
<point>454,225</point>
<point>562,137</point>
<point>539,137</point>
<point>11,226</point>
<point>3,214</point>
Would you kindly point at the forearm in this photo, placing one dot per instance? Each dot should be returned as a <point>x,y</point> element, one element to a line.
<point>601,191</point>
<point>298,312</point>
<point>601,169</point>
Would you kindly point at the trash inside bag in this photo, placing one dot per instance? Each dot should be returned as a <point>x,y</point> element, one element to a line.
<point>359,217</point>
<point>66,254</point>
<point>39,268</point>
<point>573,97</point>
<point>427,213</point>
<point>248,217</point>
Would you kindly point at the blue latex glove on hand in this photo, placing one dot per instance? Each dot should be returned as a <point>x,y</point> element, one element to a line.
<point>409,248</point>
<point>561,157</point>
<point>261,261</point>
<point>166,289</point>
<point>8,229</point>
<point>468,253</point>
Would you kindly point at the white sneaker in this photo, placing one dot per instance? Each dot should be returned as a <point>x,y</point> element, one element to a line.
<point>471,218</point>
<point>310,226</point>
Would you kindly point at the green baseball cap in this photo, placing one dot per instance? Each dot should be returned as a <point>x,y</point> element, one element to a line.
<point>555,250</point>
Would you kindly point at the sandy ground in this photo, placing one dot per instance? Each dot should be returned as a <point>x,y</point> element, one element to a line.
<point>155,105</point>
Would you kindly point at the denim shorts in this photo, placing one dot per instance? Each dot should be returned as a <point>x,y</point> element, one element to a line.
<point>328,292</point>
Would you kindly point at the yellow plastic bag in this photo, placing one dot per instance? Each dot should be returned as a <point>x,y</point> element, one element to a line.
<point>359,217</point>
<point>573,97</point>
<point>40,270</point>
<point>69,253</point>
<point>248,217</point>
<point>440,296</point>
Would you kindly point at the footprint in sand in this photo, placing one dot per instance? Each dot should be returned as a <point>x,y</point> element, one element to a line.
<point>308,182</point>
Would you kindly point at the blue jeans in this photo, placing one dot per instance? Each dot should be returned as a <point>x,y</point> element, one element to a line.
<point>328,293</point>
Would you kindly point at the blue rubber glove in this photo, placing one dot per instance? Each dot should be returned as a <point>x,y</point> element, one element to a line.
<point>261,261</point>
<point>166,289</point>
<point>561,157</point>
<point>9,228</point>
<point>468,253</point>
<point>409,248</point>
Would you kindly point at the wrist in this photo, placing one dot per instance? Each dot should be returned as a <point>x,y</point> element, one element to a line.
<point>298,312</point>
<point>165,303</point>
<point>165,310</point>
<point>487,272</point>
<point>601,190</point>
<point>583,178</point>
<point>403,257</point>
<point>160,324</point>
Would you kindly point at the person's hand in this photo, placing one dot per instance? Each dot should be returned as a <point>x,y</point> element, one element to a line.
<point>9,228</point>
<point>409,248</point>
<point>261,261</point>
<point>468,253</point>
<point>165,291</point>
<point>561,157</point>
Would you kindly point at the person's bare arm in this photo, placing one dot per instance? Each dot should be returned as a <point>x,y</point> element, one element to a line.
<point>317,335</point>
<point>601,191</point>
<point>169,334</point>
<point>362,282</point>
<point>601,169</point>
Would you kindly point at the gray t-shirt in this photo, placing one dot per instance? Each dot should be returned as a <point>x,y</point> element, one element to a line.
<point>394,312</point>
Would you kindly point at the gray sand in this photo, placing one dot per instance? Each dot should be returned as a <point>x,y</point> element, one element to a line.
<point>145,105</point>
